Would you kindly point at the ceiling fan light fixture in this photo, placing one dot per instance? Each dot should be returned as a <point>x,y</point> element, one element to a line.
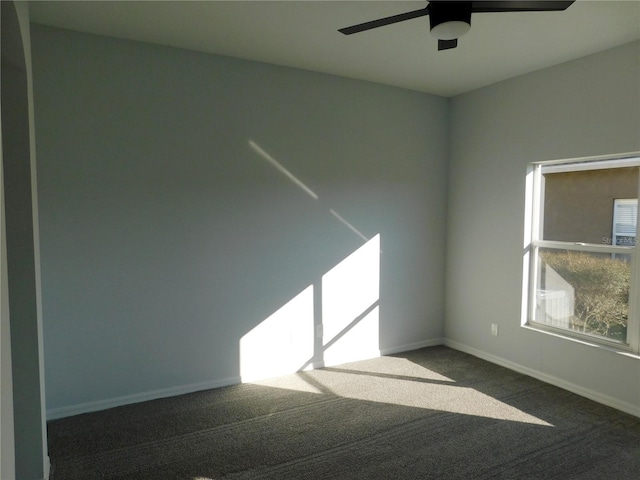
<point>449,20</point>
<point>450,30</point>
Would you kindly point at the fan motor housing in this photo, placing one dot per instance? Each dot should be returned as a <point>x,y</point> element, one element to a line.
<point>449,20</point>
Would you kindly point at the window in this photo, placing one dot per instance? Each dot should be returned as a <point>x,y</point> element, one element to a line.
<point>625,221</point>
<point>583,267</point>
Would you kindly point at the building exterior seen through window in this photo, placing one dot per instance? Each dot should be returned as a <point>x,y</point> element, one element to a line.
<point>583,279</point>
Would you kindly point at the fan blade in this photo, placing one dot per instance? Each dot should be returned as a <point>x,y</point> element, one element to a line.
<point>447,44</point>
<point>384,21</point>
<point>517,6</point>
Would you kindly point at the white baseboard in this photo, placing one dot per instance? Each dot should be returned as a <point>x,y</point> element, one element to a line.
<point>412,346</point>
<point>550,379</point>
<point>385,351</point>
<point>61,412</point>
<point>55,413</point>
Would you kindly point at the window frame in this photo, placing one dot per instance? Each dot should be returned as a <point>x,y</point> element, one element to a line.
<point>534,242</point>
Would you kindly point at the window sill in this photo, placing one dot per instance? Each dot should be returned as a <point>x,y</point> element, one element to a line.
<point>624,351</point>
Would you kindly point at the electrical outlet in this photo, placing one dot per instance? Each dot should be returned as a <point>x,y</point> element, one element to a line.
<point>494,329</point>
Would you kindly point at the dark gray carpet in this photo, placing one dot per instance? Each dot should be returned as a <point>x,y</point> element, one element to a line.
<point>434,413</point>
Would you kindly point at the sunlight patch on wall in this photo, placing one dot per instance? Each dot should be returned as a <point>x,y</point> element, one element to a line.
<point>349,323</point>
<point>281,343</point>
<point>342,220</point>
<point>349,320</point>
<point>300,184</point>
<point>350,315</point>
<point>281,168</point>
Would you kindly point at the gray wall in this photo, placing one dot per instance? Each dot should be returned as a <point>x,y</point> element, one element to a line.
<point>583,108</point>
<point>165,237</point>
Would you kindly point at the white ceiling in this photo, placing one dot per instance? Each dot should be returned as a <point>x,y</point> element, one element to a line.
<point>303,34</point>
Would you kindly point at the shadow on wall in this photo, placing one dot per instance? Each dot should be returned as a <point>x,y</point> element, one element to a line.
<point>332,321</point>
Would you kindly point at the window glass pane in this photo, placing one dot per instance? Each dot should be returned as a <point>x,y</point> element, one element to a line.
<point>583,292</point>
<point>579,206</point>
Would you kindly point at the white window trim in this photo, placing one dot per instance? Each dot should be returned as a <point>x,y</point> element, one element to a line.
<point>533,234</point>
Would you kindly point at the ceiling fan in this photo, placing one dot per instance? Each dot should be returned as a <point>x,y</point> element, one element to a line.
<point>449,20</point>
